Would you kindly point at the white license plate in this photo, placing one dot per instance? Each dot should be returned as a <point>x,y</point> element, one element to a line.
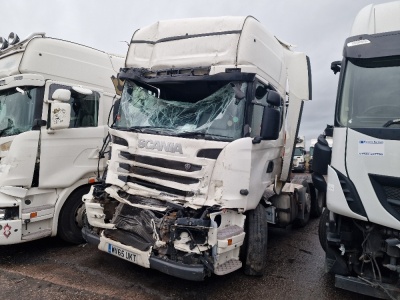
<point>121,253</point>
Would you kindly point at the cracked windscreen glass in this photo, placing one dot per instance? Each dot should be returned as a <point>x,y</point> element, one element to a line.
<point>217,116</point>
<point>16,110</point>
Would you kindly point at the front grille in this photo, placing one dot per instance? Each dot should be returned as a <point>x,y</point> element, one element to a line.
<point>156,186</point>
<point>393,197</point>
<point>157,174</point>
<point>387,189</point>
<point>161,162</point>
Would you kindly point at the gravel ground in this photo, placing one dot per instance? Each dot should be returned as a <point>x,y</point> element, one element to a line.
<point>52,269</point>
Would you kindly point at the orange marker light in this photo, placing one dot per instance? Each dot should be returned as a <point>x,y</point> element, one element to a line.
<point>229,242</point>
<point>92,180</point>
<point>33,214</point>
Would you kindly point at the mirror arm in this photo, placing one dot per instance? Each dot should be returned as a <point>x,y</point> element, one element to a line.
<point>257,140</point>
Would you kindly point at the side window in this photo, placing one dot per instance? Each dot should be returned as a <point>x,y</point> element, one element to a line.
<point>257,111</point>
<point>84,108</point>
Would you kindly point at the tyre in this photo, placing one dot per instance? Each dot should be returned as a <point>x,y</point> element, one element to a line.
<point>255,256</point>
<point>317,203</point>
<point>70,220</point>
<point>322,228</point>
<point>304,196</point>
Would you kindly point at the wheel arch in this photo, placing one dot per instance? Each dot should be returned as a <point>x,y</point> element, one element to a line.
<point>63,195</point>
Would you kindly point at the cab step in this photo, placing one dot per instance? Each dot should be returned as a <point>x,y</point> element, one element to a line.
<point>228,267</point>
<point>228,232</point>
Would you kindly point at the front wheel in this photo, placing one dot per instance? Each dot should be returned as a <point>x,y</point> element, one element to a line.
<point>70,220</point>
<point>255,258</point>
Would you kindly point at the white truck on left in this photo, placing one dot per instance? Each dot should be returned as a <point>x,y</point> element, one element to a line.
<point>55,97</point>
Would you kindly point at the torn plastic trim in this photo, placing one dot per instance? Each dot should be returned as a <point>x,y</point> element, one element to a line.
<point>139,75</point>
<point>90,237</point>
<point>185,37</point>
<point>138,201</point>
<point>114,193</point>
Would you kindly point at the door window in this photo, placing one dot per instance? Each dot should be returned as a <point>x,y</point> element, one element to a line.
<point>257,111</point>
<point>84,108</point>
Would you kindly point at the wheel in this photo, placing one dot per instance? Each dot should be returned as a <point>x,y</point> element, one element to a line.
<point>317,203</point>
<point>255,257</point>
<point>70,220</point>
<point>322,228</point>
<point>304,196</point>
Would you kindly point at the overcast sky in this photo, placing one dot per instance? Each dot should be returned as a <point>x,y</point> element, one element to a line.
<point>317,27</point>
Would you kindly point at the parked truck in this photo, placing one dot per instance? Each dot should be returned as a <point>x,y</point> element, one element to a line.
<point>201,151</point>
<point>299,161</point>
<point>360,231</point>
<point>55,97</point>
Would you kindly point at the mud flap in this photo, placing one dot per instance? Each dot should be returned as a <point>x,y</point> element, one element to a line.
<point>335,263</point>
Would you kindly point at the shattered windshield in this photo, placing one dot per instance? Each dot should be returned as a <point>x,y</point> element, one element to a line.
<point>218,115</point>
<point>370,95</point>
<point>17,106</point>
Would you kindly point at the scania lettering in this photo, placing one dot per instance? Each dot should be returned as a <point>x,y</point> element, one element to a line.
<point>160,146</point>
<point>197,168</point>
<point>55,97</point>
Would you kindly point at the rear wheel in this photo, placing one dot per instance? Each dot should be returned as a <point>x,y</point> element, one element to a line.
<point>70,220</point>
<point>255,258</point>
<point>304,196</point>
<point>318,203</point>
<point>322,228</point>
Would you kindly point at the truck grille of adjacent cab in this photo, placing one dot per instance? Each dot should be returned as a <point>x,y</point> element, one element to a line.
<point>387,189</point>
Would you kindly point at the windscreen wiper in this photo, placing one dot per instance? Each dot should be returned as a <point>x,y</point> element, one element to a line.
<point>202,134</point>
<point>144,129</point>
<point>391,122</point>
<point>132,129</point>
<point>3,130</point>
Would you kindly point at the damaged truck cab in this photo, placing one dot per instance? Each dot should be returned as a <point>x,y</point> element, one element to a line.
<point>201,150</point>
<point>54,101</point>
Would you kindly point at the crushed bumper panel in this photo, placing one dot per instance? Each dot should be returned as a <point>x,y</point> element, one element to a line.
<point>189,272</point>
<point>359,286</point>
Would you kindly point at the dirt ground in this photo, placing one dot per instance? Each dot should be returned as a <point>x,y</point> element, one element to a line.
<point>52,269</point>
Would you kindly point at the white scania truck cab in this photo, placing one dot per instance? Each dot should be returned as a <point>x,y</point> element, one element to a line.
<point>361,229</point>
<point>199,164</point>
<point>55,97</point>
<point>299,161</point>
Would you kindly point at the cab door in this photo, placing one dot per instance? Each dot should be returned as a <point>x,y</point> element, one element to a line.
<point>70,154</point>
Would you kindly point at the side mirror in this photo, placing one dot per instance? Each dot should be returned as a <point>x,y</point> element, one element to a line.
<point>274,99</point>
<point>270,125</point>
<point>61,95</point>
<point>335,66</point>
<point>81,90</point>
<point>329,130</point>
<point>60,115</point>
